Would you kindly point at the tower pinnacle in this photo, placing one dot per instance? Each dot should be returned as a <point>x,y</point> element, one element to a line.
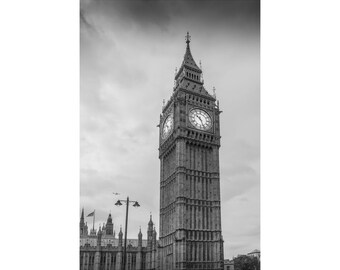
<point>150,222</point>
<point>82,215</point>
<point>109,225</point>
<point>188,60</point>
<point>187,38</point>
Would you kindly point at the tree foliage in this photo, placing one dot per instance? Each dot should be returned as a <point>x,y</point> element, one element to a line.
<point>244,262</point>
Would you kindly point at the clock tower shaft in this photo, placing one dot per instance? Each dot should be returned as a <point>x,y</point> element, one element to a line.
<point>190,209</point>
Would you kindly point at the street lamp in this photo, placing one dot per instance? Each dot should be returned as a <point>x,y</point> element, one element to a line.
<point>119,203</point>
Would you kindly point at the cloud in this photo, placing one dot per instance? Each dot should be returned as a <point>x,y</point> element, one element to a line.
<point>241,225</point>
<point>128,53</point>
<point>84,22</point>
<point>146,13</point>
<point>238,184</point>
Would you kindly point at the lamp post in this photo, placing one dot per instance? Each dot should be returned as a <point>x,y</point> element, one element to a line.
<point>119,203</point>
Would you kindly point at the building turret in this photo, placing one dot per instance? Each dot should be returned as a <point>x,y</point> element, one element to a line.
<point>98,250</point>
<point>154,251</point>
<point>82,216</point>
<point>120,238</point>
<point>104,229</point>
<point>119,256</point>
<point>109,226</point>
<point>139,251</point>
<point>140,238</point>
<point>150,224</point>
<point>149,233</point>
<point>82,223</point>
<point>149,244</point>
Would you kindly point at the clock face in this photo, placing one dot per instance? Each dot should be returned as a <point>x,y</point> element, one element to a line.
<point>167,126</point>
<point>200,119</point>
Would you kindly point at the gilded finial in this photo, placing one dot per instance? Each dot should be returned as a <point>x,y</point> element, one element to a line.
<point>187,38</point>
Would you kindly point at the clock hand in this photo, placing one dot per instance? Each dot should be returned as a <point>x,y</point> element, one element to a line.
<point>200,120</point>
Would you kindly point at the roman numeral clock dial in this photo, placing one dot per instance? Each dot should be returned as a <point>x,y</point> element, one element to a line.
<point>167,126</point>
<point>200,119</point>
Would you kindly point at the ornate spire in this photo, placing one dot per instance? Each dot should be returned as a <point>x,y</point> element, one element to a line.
<point>109,226</point>
<point>109,219</point>
<point>150,222</point>
<point>120,236</point>
<point>188,60</point>
<point>82,216</point>
<point>82,223</point>
<point>140,235</point>
<point>187,38</point>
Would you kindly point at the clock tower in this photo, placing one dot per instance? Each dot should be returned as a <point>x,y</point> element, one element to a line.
<point>189,141</point>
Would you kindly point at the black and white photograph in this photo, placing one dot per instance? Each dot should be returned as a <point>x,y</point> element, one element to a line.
<point>169,135</point>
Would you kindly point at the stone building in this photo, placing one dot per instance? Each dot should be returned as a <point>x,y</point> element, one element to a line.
<point>189,141</point>
<point>190,207</point>
<point>228,265</point>
<point>102,250</point>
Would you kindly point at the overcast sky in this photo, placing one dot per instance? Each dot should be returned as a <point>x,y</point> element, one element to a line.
<point>128,54</point>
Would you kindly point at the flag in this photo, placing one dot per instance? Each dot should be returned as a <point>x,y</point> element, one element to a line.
<point>91,214</point>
